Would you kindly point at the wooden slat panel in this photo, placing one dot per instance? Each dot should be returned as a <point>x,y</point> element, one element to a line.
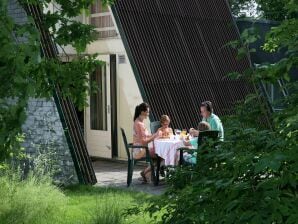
<point>178,50</point>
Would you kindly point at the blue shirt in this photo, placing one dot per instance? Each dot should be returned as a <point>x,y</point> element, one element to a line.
<point>194,142</point>
<point>216,125</point>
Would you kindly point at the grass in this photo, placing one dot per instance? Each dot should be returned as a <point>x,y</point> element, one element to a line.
<point>39,202</point>
<point>103,205</point>
<point>29,201</point>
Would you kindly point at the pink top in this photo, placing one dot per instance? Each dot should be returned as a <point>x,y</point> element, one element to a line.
<point>140,133</point>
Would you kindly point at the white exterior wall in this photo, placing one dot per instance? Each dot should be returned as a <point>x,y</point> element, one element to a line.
<point>128,93</point>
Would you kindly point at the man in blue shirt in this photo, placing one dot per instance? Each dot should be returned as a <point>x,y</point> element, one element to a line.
<point>206,109</point>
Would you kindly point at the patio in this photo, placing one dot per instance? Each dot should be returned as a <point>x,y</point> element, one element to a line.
<point>110,173</point>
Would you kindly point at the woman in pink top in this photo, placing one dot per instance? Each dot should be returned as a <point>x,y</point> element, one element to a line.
<point>141,135</point>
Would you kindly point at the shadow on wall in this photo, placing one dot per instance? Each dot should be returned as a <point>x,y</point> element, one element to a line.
<point>125,119</point>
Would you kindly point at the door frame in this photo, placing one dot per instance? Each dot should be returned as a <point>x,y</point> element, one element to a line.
<point>104,136</point>
<point>112,109</point>
<point>113,103</point>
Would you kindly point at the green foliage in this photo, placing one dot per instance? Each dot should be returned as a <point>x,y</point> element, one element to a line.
<point>251,177</point>
<point>69,32</point>
<point>239,7</point>
<point>276,10</point>
<point>107,212</point>
<point>108,2</point>
<point>36,200</point>
<point>15,88</point>
<point>32,201</point>
<point>24,74</point>
<point>44,163</point>
<point>89,204</point>
<point>247,37</point>
<point>282,37</point>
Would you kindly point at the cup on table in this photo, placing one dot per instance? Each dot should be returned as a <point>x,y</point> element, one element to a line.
<point>177,134</point>
<point>172,137</point>
<point>184,132</point>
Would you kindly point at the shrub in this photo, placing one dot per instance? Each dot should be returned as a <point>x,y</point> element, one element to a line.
<point>251,178</point>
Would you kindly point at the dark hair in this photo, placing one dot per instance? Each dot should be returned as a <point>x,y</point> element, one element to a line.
<point>208,106</point>
<point>139,109</point>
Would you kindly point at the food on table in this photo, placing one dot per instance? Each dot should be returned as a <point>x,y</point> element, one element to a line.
<point>165,135</point>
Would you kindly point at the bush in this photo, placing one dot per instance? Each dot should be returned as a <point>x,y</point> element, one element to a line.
<point>251,178</point>
<point>30,202</point>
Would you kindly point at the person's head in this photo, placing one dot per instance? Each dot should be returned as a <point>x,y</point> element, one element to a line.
<point>165,121</point>
<point>206,109</point>
<point>204,126</point>
<point>142,111</point>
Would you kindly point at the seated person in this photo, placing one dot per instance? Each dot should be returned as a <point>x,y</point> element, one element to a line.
<point>215,123</point>
<point>165,131</point>
<point>193,144</point>
<point>141,136</point>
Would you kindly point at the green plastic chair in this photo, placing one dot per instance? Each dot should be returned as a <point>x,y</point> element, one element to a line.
<point>131,161</point>
<point>203,136</point>
<point>154,126</point>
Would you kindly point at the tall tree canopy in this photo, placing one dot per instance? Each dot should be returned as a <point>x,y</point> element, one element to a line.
<point>267,9</point>
<point>24,73</point>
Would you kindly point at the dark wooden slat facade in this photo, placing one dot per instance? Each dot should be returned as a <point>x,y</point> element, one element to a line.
<point>179,55</point>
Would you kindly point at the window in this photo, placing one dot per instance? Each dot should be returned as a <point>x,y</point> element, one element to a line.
<point>101,18</point>
<point>274,92</point>
<point>98,100</point>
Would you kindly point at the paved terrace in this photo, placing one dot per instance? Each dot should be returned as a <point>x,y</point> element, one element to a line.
<point>114,174</point>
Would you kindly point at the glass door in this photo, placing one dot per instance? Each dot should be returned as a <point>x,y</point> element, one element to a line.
<point>98,114</point>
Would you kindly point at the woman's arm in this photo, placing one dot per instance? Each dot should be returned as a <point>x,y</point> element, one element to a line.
<point>152,137</point>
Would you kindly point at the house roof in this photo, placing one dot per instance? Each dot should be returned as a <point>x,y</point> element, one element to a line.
<point>179,55</point>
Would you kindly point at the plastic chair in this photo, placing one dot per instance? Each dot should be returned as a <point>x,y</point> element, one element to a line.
<point>129,147</point>
<point>203,136</point>
<point>154,126</point>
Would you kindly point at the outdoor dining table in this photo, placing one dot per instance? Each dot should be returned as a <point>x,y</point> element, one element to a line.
<point>166,149</point>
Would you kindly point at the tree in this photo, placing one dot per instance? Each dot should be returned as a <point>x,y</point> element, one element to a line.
<point>275,9</point>
<point>265,9</point>
<point>242,8</point>
<point>252,177</point>
<point>24,74</point>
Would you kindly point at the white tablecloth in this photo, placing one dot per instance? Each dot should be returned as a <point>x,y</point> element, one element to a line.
<point>167,149</point>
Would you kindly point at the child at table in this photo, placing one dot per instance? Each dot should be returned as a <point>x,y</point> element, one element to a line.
<point>193,144</point>
<point>165,131</point>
